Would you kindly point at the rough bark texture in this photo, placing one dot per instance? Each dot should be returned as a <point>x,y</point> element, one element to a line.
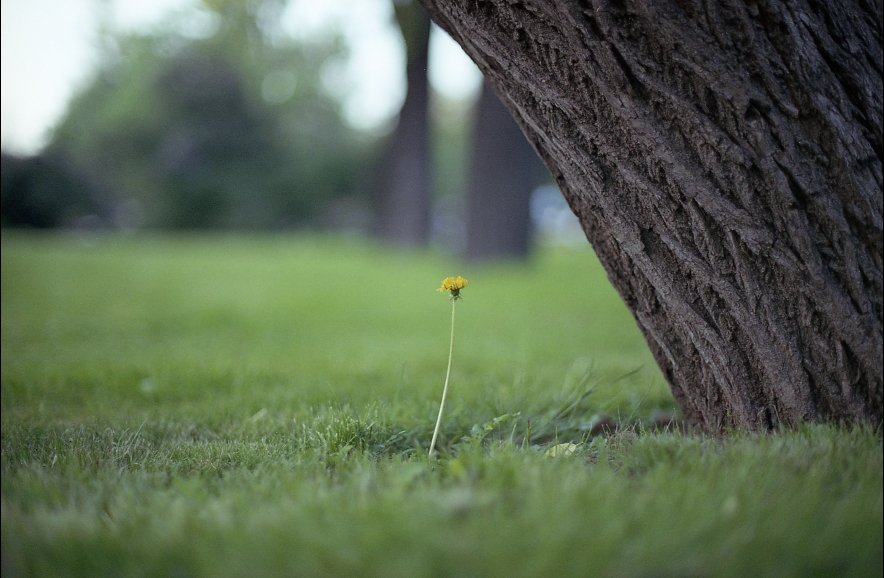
<point>502,173</point>
<point>404,208</point>
<point>725,160</point>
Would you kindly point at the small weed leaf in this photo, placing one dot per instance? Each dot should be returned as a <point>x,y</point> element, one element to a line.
<point>560,450</point>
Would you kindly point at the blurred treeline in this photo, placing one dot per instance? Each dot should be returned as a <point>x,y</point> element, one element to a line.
<point>225,122</point>
<point>224,127</point>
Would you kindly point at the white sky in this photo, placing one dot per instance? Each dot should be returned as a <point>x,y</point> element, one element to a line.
<point>49,51</point>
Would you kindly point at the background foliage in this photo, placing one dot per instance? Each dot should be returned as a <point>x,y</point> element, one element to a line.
<point>231,126</point>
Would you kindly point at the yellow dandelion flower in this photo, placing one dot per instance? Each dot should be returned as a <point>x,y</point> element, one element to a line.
<point>453,284</point>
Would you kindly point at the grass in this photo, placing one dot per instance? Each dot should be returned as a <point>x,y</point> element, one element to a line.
<point>262,406</point>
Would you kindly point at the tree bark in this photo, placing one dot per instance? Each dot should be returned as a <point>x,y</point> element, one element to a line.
<point>725,161</point>
<point>404,211</point>
<point>502,174</point>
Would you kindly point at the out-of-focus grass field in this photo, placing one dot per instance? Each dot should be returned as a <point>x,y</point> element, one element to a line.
<point>262,406</point>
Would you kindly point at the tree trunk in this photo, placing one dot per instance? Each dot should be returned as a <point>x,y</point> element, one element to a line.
<point>725,161</point>
<point>404,211</point>
<point>502,173</point>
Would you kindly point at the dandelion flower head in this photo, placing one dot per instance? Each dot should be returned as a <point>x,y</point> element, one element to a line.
<point>453,284</point>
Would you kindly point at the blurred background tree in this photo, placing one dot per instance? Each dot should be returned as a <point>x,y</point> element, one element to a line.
<point>490,181</point>
<point>404,201</point>
<point>220,118</point>
<point>45,191</point>
<point>503,172</point>
<point>223,125</point>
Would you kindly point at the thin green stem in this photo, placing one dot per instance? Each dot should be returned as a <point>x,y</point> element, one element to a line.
<point>444,389</point>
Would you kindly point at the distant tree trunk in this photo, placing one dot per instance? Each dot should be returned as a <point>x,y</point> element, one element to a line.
<point>725,161</point>
<point>404,211</point>
<point>502,173</point>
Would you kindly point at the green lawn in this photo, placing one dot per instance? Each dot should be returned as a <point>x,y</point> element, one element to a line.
<point>262,406</point>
